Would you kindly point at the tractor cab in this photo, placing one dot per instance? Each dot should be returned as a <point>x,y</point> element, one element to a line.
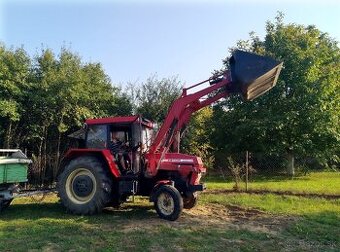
<point>134,133</point>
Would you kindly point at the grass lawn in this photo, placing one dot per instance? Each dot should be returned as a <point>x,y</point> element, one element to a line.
<point>317,219</point>
<point>220,222</point>
<point>318,183</point>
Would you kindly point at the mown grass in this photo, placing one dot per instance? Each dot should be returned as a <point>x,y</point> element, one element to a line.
<point>304,224</point>
<point>316,183</point>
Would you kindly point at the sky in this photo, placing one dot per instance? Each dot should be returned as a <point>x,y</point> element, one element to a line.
<point>134,40</point>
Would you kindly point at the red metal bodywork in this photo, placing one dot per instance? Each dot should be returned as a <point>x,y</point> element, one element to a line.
<point>103,153</point>
<point>117,119</point>
<point>120,120</point>
<point>177,118</point>
<point>187,166</point>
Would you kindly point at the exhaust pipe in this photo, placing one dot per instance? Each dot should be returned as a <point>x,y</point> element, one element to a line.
<point>252,75</point>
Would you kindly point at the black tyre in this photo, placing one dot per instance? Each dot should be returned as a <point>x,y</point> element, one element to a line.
<point>168,202</point>
<point>84,187</point>
<point>190,200</point>
<point>4,204</point>
<point>7,203</point>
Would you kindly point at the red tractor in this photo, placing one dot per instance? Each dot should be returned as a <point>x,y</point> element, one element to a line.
<point>92,177</point>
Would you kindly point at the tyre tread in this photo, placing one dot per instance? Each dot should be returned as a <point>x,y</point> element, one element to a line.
<point>101,198</point>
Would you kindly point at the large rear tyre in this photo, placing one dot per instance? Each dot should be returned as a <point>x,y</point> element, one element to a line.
<point>84,187</point>
<point>168,202</point>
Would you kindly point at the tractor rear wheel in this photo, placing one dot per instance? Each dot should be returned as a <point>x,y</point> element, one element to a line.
<point>4,204</point>
<point>84,186</point>
<point>190,201</point>
<point>168,202</point>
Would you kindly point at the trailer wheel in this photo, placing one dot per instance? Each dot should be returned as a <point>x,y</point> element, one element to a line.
<point>4,204</point>
<point>168,202</point>
<point>190,201</point>
<point>84,186</point>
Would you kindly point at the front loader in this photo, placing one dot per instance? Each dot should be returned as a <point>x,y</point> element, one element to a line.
<point>92,177</point>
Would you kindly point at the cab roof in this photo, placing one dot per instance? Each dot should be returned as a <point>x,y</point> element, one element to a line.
<point>120,119</point>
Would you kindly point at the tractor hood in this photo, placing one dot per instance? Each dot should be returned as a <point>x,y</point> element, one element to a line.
<point>252,75</point>
<point>175,161</point>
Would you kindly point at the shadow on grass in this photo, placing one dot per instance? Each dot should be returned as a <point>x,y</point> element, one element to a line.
<point>32,211</point>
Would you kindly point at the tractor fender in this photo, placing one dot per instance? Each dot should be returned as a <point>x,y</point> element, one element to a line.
<point>103,155</point>
<point>159,184</point>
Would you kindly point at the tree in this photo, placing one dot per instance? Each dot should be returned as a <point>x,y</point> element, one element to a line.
<point>198,138</point>
<point>14,74</point>
<point>300,116</point>
<point>154,97</point>
<point>45,98</point>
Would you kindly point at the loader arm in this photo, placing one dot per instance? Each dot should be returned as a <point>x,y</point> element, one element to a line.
<point>184,106</point>
<point>249,74</point>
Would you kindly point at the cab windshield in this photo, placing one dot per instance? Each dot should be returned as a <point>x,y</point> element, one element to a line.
<point>96,136</point>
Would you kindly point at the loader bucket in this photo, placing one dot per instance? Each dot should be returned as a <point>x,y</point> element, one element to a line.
<point>252,75</point>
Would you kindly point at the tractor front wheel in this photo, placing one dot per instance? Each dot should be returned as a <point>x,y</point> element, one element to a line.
<point>84,186</point>
<point>168,202</point>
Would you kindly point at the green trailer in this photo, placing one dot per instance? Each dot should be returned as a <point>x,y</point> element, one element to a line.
<point>13,170</point>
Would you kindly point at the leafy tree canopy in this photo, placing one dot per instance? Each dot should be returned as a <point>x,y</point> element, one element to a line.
<point>301,113</point>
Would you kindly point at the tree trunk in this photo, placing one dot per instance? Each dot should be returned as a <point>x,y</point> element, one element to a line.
<point>55,170</point>
<point>45,154</point>
<point>39,159</point>
<point>8,136</point>
<point>56,164</point>
<point>247,169</point>
<point>290,164</point>
<point>15,136</point>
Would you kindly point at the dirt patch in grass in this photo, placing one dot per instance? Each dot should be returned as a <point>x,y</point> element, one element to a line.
<point>236,217</point>
<point>210,216</point>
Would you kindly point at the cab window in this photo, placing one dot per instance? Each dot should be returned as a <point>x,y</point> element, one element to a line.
<point>96,136</point>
